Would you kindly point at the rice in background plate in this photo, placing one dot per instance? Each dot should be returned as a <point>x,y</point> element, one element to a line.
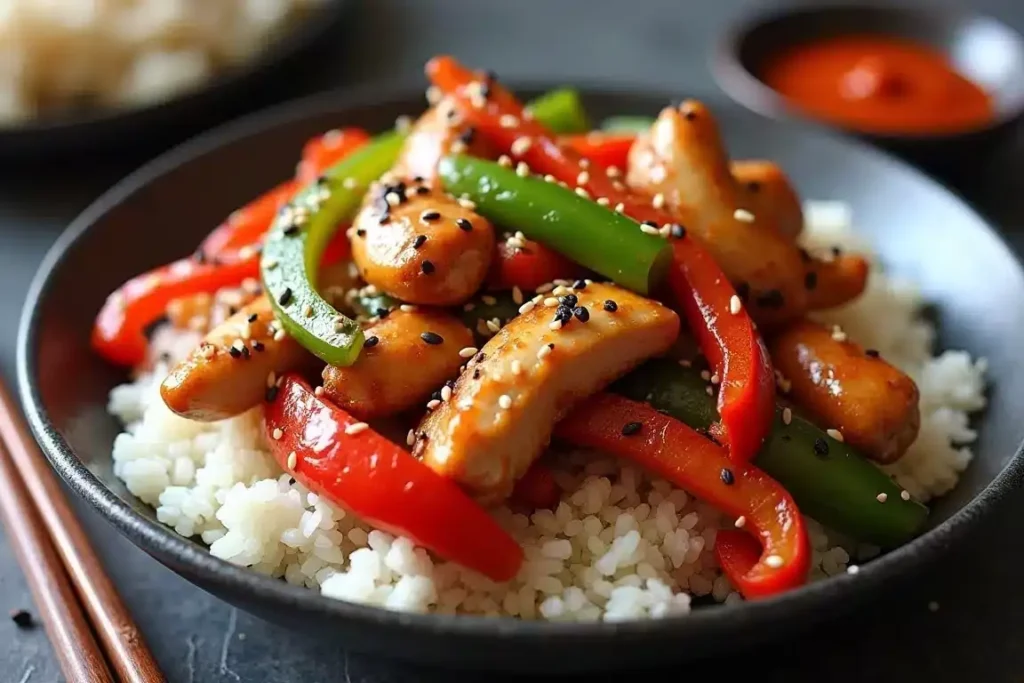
<point>620,545</point>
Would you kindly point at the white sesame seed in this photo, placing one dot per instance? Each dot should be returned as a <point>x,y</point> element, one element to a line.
<point>705,375</point>
<point>319,391</point>
<point>521,146</point>
<point>393,199</point>
<point>271,378</point>
<point>458,147</point>
<point>280,335</point>
<point>835,434</point>
<point>735,305</point>
<point>493,326</point>
<point>741,521</point>
<point>584,163</point>
<point>658,201</point>
<point>613,172</point>
<point>852,569</point>
<point>433,94</point>
<point>446,393</point>
<point>743,216</point>
<point>551,301</point>
<point>882,497</point>
<point>407,308</point>
<point>468,306</point>
<point>277,434</point>
<point>410,438</point>
<point>403,123</point>
<point>522,170</point>
<point>526,308</point>
<point>709,391</point>
<point>774,561</point>
<point>545,288</point>
<point>649,229</point>
<point>838,334</point>
<point>555,325</point>
<point>517,295</point>
<point>349,183</point>
<point>466,203</point>
<point>583,178</point>
<point>905,495</point>
<point>561,290</point>
<point>787,416</point>
<point>715,379</point>
<point>468,352</point>
<point>488,299</point>
<point>686,363</point>
<point>504,401</point>
<point>603,201</point>
<point>508,121</point>
<point>582,192</point>
<point>543,351</point>
<point>293,460</point>
<point>433,403</point>
<point>482,329</point>
<point>548,178</point>
<point>356,428</point>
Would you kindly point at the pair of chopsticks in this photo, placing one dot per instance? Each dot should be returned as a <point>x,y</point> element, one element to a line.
<point>63,572</point>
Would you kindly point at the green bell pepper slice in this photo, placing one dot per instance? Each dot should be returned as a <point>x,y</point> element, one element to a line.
<point>561,111</point>
<point>627,124</point>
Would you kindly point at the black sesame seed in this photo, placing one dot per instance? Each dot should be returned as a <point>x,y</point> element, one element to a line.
<point>820,447</point>
<point>290,230</point>
<point>258,346</point>
<point>382,313</point>
<point>165,357</point>
<point>650,224</point>
<point>371,342</point>
<point>449,383</point>
<point>254,317</point>
<point>232,310</point>
<point>418,242</point>
<point>485,89</point>
<point>419,179</point>
<point>199,256</point>
<point>291,481</point>
<point>384,218</point>
<point>285,297</point>
<point>872,353</point>
<point>427,267</point>
<point>436,396</point>
<point>563,314</point>
<point>836,251</point>
<point>235,353</point>
<point>422,190</point>
<point>272,392</point>
<point>754,186</point>
<point>22,617</point>
<point>727,477</point>
<point>476,373</point>
<point>430,215</point>
<point>677,231</point>
<point>610,306</point>
<point>631,428</point>
<point>811,280</point>
<point>468,134</point>
<point>805,256</point>
<point>569,300</point>
<point>579,284</point>
<point>464,224</point>
<point>360,232</point>
<point>581,313</point>
<point>490,76</point>
<point>245,352</point>
<point>432,338</point>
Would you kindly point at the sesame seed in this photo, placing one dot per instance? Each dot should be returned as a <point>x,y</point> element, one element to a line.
<point>293,460</point>
<point>508,121</point>
<point>882,497</point>
<point>741,521</point>
<point>774,561</point>
<point>258,345</point>
<point>515,367</point>
<point>743,216</point>
<point>466,203</point>
<point>430,215</point>
<point>463,224</point>
<point>393,198</point>
<point>446,393</point>
<point>419,241</point>
<point>277,434</point>
<point>709,391</point>
<point>583,178</point>
<point>371,342</point>
<point>543,351</point>
<point>811,280</point>
<point>432,338</point>
<point>658,201</point>
<point>603,201</point>
<point>705,375</point>
<point>551,301</point>
<point>735,305</point>
<point>715,379</point>
<point>835,434</point>
<point>356,428</point>
<point>872,353</point>
<point>235,353</point>
<point>468,352</point>
<point>610,306</point>
<point>631,428</point>
<point>522,169</point>
<point>407,308</point>
<point>271,378</point>
<point>581,313</point>
<point>428,267</point>
<point>349,183</point>
<point>458,147</point>
<point>505,401</point>
<point>517,295</point>
<point>649,229</point>
<point>620,207</point>
<point>905,495</point>
<point>505,161</point>
<point>253,318</point>
<point>494,325</point>
<point>488,299</point>
<point>271,393</point>
<point>838,334</point>
<point>787,416</point>
<point>410,438</point>
<point>521,146</point>
<point>433,403</point>
<point>318,391</point>
<point>548,178</point>
<point>852,569</point>
<point>613,172</point>
<point>308,311</point>
<point>820,447</point>
<point>555,325</point>
<point>526,308</point>
<point>286,296</point>
<point>582,192</point>
<point>727,476</point>
<point>677,231</point>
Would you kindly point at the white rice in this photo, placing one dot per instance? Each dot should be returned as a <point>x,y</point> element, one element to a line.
<point>620,545</point>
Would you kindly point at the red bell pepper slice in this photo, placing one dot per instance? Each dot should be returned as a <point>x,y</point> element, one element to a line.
<point>737,553</point>
<point>529,266</point>
<point>604,149</point>
<point>384,485</point>
<point>119,332</point>
<point>322,152</point>
<point>246,226</point>
<point>730,338</point>
<point>679,454</point>
<point>537,489</point>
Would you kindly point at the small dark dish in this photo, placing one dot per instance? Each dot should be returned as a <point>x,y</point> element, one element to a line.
<point>921,230</point>
<point>183,114</point>
<point>986,51</point>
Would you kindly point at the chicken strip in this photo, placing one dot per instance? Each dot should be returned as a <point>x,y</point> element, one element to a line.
<point>438,132</point>
<point>503,408</point>
<point>427,249</point>
<point>227,373</point>
<point>406,356</point>
<point>681,162</point>
<point>872,404</point>
<point>764,190</point>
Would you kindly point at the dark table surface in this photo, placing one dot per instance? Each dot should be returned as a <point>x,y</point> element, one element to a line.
<point>963,618</point>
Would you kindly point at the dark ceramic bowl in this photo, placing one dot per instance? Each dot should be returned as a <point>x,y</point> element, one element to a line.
<point>160,212</point>
<point>91,128</point>
<point>985,50</point>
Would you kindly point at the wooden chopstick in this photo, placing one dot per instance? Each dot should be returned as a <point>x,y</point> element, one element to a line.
<point>122,642</point>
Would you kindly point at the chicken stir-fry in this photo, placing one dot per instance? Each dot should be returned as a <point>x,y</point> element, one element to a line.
<point>482,277</point>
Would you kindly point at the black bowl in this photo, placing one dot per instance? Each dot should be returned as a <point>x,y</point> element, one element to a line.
<point>78,131</point>
<point>161,212</point>
<point>985,50</point>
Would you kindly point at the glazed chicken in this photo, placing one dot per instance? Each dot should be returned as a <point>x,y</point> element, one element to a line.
<point>872,404</point>
<point>764,190</point>
<point>436,133</point>
<point>503,408</point>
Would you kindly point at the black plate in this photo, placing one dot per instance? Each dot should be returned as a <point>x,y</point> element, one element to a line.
<point>161,212</point>
<point>182,114</point>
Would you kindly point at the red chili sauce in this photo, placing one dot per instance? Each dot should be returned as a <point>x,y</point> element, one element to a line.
<point>878,84</point>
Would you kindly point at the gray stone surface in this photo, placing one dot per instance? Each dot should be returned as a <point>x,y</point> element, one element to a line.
<point>979,625</point>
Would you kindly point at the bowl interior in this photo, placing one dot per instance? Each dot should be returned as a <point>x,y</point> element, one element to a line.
<point>160,213</point>
<point>986,51</point>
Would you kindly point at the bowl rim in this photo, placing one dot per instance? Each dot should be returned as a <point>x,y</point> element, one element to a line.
<point>163,542</point>
<point>741,85</point>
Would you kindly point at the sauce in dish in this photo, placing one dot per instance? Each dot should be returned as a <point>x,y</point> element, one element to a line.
<point>878,84</point>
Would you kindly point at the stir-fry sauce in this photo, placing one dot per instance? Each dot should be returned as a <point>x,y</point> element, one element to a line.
<point>878,84</point>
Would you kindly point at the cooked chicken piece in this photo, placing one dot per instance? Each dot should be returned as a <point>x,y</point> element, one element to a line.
<point>682,159</point>
<point>872,404</point>
<point>407,355</point>
<point>504,406</point>
<point>427,249</point>
<point>764,190</point>
<point>227,373</point>
<point>836,281</point>
<point>438,132</point>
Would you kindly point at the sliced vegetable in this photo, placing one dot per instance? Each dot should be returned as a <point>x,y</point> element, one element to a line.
<point>119,333</point>
<point>829,479</point>
<point>712,299</point>
<point>527,264</point>
<point>247,226</point>
<point>322,152</point>
<point>295,245</point>
<point>537,489</point>
<point>342,459</point>
<point>627,124</point>
<point>737,553</point>
<point>670,449</point>
<point>587,233</point>
<point>561,110</point>
<point>606,149</point>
